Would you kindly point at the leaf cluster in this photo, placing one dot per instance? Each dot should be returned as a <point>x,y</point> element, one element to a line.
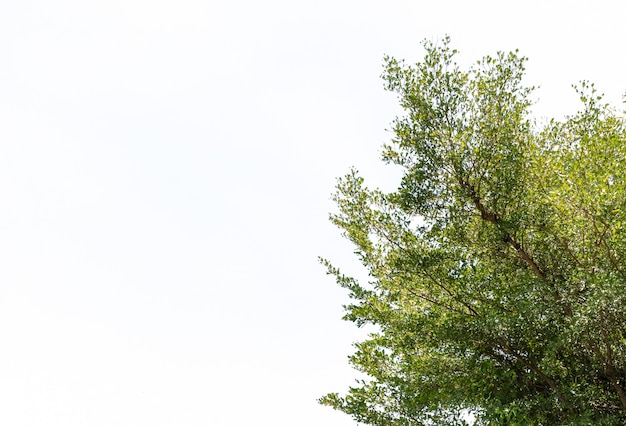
<point>498,281</point>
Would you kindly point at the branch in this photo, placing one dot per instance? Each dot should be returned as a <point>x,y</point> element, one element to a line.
<point>532,367</point>
<point>408,252</point>
<point>610,370</point>
<point>496,220</point>
<point>435,302</point>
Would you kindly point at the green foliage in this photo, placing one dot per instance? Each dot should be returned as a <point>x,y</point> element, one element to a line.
<point>498,281</point>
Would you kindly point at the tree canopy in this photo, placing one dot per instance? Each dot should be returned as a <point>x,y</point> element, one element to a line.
<point>497,269</point>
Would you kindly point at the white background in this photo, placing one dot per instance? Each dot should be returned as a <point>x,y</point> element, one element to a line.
<point>165,174</point>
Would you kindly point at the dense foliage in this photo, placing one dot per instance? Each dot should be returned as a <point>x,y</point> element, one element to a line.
<point>498,267</point>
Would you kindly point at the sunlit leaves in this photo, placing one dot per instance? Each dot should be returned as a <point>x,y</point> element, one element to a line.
<point>497,269</point>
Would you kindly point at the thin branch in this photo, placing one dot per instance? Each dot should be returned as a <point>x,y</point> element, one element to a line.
<point>532,367</point>
<point>610,370</point>
<point>425,271</point>
<point>435,302</point>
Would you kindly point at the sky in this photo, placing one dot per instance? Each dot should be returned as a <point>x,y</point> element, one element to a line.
<point>165,175</point>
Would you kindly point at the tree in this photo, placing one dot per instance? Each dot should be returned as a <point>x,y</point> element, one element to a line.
<point>498,267</point>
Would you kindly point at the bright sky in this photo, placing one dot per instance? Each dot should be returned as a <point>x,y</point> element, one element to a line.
<point>165,174</point>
